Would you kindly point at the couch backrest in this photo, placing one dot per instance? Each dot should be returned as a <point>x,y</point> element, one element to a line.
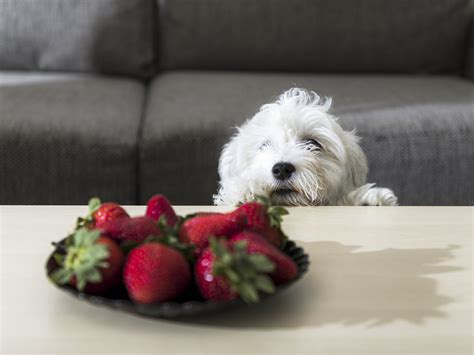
<point>107,36</point>
<point>410,36</point>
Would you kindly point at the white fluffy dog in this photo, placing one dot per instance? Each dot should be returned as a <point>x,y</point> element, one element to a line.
<point>294,152</point>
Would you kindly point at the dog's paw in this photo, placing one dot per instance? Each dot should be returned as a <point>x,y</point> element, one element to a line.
<point>369,195</point>
<point>379,196</point>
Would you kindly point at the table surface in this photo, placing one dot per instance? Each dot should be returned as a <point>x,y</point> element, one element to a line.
<point>382,280</point>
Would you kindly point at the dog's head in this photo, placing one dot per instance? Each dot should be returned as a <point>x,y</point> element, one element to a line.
<point>292,151</point>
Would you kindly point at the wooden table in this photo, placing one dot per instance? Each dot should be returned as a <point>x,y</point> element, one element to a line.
<point>382,280</point>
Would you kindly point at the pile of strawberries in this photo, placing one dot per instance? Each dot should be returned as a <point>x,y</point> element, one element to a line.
<point>161,256</point>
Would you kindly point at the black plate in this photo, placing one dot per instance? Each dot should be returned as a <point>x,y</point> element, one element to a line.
<point>191,305</point>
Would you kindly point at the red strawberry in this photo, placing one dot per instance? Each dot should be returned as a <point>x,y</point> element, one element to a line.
<point>108,212</point>
<point>286,268</point>
<point>100,213</point>
<point>273,235</point>
<point>198,230</point>
<point>223,273</point>
<point>155,272</point>
<point>92,263</point>
<point>135,229</point>
<point>265,220</point>
<point>212,287</point>
<point>158,206</point>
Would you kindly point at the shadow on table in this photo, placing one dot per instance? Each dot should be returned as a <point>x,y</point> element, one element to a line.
<point>347,287</point>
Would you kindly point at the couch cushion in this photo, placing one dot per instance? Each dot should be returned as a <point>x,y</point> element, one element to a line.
<point>65,138</point>
<point>470,51</point>
<point>107,36</point>
<point>314,35</point>
<point>416,131</point>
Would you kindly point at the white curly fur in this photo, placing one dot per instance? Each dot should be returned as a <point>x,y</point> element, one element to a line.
<point>333,174</point>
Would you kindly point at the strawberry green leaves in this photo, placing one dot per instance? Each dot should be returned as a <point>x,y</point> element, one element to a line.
<point>275,213</point>
<point>170,239</point>
<point>94,204</point>
<point>83,259</point>
<point>61,276</point>
<point>246,273</point>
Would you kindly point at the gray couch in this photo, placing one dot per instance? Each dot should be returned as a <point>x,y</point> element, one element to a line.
<point>125,98</point>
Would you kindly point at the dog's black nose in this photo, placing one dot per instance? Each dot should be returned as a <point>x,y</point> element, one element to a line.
<point>283,171</point>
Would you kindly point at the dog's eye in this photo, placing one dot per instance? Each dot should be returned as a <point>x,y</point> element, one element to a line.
<point>311,144</point>
<point>264,145</point>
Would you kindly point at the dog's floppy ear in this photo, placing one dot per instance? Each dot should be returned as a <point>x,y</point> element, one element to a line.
<point>356,159</point>
<point>227,160</point>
